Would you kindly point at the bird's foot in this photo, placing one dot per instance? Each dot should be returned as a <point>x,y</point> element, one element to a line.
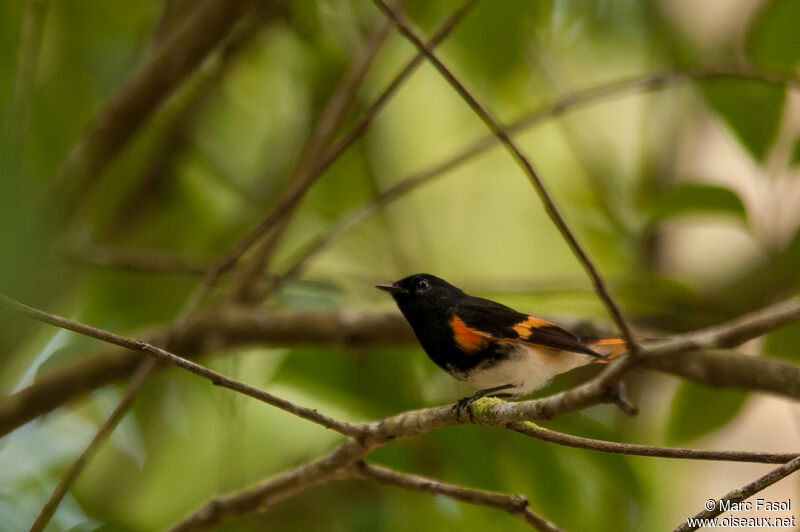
<point>463,404</point>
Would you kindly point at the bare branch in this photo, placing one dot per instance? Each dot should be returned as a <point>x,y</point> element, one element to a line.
<point>234,326</point>
<point>145,369</point>
<point>289,201</point>
<point>374,435</point>
<point>531,429</point>
<point>732,333</point>
<point>569,102</point>
<point>502,134</point>
<point>164,356</point>
<point>515,505</point>
<point>273,489</point>
<point>159,76</point>
<point>743,493</point>
<point>304,174</point>
<point>732,370</point>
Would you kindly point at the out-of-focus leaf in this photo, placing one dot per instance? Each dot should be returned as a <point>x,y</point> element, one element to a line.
<point>509,32</point>
<point>698,410</point>
<point>773,40</point>
<point>795,158</point>
<point>699,198</point>
<point>750,108</point>
<point>379,383</point>
<point>784,342</point>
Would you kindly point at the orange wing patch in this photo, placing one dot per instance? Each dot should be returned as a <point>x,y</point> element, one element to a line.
<point>523,328</point>
<point>467,339</point>
<point>608,347</point>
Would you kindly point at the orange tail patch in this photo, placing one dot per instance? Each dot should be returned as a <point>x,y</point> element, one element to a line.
<point>608,347</point>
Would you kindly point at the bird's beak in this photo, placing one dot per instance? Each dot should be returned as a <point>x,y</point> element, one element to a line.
<point>391,288</point>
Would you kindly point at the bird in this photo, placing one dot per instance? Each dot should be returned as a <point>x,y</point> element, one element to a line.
<point>502,352</point>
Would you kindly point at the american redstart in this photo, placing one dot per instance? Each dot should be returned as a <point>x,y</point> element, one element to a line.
<point>493,347</point>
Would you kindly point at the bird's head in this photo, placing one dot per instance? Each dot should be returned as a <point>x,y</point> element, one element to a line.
<point>421,291</point>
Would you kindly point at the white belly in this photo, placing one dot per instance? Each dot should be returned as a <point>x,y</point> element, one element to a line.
<point>527,368</point>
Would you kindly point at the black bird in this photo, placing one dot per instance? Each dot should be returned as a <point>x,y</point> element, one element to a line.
<point>493,347</point>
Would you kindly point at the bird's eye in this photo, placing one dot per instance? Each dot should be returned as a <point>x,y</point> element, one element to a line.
<point>422,286</point>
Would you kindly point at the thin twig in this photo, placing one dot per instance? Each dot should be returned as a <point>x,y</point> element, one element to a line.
<point>741,494</point>
<point>139,377</point>
<point>531,429</point>
<point>288,202</point>
<point>515,505</point>
<point>569,102</point>
<point>500,131</point>
<point>304,174</point>
<point>164,356</point>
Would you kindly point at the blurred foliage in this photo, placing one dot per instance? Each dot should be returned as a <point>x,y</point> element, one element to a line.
<point>697,410</point>
<point>639,178</point>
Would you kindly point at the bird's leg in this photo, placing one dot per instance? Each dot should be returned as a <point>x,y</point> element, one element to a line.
<point>464,402</point>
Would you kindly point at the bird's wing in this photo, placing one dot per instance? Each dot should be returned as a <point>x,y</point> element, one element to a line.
<point>475,321</point>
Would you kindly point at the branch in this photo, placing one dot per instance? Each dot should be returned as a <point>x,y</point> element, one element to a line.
<point>145,369</point>
<point>501,133</point>
<point>374,435</point>
<point>304,174</point>
<point>164,356</point>
<point>289,200</point>
<point>731,333</point>
<point>273,489</point>
<point>743,493</point>
<point>227,327</point>
<point>531,429</point>
<point>515,505</point>
<point>575,100</point>
<point>732,370</point>
<point>159,76</point>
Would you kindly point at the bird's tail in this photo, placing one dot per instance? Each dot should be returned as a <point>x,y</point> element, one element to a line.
<point>609,348</point>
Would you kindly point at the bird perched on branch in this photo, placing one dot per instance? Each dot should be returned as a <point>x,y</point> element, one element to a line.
<point>498,350</point>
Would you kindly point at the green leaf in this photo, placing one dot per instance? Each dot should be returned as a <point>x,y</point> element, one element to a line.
<point>795,157</point>
<point>699,198</point>
<point>698,410</point>
<point>773,40</point>
<point>784,342</point>
<point>752,109</point>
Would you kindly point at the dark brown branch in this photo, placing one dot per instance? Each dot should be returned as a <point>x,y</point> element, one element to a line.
<point>744,492</point>
<point>159,76</point>
<point>515,505</point>
<point>139,377</point>
<point>164,356</point>
<point>502,134</point>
